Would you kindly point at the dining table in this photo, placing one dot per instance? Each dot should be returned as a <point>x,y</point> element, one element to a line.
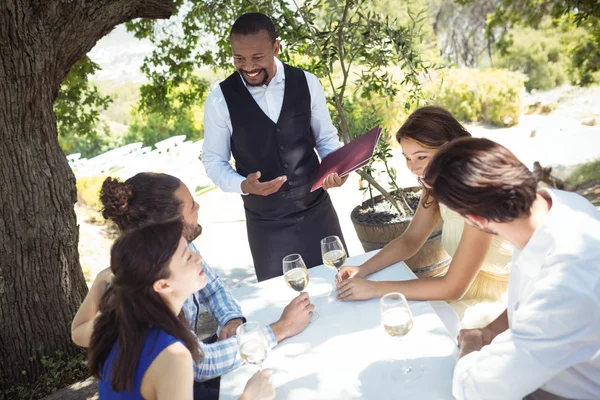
<point>345,353</point>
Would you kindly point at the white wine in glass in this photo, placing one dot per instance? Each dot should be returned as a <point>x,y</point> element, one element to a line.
<point>296,276</point>
<point>253,343</point>
<point>397,321</point>
<point>333,252</point>
<point>334,258</point>
<point>297,279</point>
<point>334,255</point>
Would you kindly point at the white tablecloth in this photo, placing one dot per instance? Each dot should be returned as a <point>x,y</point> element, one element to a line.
<point>346,354</point>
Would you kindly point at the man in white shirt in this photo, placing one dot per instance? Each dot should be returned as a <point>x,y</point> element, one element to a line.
<point>547,343</point>
<point>271,117</point>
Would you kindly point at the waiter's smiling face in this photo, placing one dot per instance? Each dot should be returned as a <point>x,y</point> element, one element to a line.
<point>254,57</point>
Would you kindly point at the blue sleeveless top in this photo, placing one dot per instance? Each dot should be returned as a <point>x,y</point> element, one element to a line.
<point>156,341</point>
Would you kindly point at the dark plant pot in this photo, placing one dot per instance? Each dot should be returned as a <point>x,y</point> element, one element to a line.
<point>430,260</point>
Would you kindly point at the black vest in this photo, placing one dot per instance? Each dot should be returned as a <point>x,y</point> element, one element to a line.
<point>274,149</point>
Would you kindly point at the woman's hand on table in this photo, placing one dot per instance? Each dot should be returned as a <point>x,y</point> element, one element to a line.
<point>356,289</point>
<point>348,272</point>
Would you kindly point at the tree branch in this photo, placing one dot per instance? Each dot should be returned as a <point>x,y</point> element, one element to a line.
<point>88,21</point>
<point>367,177</point>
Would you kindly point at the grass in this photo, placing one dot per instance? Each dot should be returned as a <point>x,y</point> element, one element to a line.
<point>58,372</point>
<point>200,190</point>
<point>585,173</point>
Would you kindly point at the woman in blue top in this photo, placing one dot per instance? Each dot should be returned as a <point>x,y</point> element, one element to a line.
<point>141,346</point>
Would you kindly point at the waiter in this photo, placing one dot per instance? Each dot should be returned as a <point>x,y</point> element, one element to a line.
<point>271,116</point>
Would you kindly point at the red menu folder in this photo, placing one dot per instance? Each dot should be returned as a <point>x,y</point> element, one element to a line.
<point>346,159</point>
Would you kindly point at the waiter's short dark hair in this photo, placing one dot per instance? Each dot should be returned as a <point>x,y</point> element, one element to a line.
<point>480,177</point>
<point>251,23</point>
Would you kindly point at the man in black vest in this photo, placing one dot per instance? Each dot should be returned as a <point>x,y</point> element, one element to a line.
<point>271,117</point>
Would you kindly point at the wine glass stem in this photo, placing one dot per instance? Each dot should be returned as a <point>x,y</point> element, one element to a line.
<point>405,368</point>
<point>260,366</point>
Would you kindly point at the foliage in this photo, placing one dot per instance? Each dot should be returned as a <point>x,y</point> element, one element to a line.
<point>125,96</point>
<point>585,55</point>
<point>492,96</point>
<point>585,173</point>
<point>58,371</point>
<point>77,107</point>
<point>547,55</point>
<point>538,54</point>
<point>154,127</point>
<point>344,42</point>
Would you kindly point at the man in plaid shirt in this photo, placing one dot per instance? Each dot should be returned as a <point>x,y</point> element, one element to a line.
<point>221,353</point>
<point>155,197</point>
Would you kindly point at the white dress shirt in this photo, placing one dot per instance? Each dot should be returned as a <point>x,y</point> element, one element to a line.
<point>216,151</point>
<point>553,340</point>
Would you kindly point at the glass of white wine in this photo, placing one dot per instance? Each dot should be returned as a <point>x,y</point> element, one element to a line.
<point>296,276</point>
<point>397,320</point>
<point>334,256</point>
<point>253,343</point>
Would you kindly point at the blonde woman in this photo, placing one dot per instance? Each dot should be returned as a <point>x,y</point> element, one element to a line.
<point>480,261</point>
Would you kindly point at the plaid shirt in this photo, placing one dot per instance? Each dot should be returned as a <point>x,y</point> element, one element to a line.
<point>222,356</point>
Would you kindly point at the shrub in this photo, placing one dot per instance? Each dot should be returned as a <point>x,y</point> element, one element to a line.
<point>458,95</point>
<point>551,56</point>
<point>585,173</point>
<point>492,96</point>
<point>500,94</point>
<point>88,190</point>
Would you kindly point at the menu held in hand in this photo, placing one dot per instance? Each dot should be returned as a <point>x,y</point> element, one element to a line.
<point>353,155</point>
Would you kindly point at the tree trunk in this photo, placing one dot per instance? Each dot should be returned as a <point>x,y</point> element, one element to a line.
<point>41,282</point>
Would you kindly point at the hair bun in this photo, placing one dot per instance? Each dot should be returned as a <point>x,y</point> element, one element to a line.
<point>115,196</point>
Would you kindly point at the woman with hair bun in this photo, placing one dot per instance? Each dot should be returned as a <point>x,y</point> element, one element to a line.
<point>149,198</point>
<point>141,345</point>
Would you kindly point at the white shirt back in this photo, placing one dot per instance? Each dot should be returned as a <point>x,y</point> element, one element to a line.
<point>553,313</point>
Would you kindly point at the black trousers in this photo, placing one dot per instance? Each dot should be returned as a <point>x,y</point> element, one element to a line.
<point>208,390</point>
<point>289,222</point>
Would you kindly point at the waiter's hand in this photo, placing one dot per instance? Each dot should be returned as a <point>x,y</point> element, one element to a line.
<point>251,185</point>
<point>333,180</point>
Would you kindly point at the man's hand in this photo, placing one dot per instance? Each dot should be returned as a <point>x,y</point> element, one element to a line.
<point>333,180</point>
<point>259,387</point>
<point>294,319</point>
<point>251,185</point>
<point>229,329</point>
<point>356,289</point>
<point>470,340</point>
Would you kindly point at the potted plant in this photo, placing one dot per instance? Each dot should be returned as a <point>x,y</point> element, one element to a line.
<point>355,50</point>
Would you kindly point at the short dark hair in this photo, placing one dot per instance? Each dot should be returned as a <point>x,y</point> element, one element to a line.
<point>481,177</point>
<point>251,23</point>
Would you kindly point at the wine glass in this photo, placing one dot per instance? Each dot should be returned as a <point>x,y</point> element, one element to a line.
<point>334,256</point>
<point>296,276</point>
<point>397,321</point>
<point>253,343</point>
